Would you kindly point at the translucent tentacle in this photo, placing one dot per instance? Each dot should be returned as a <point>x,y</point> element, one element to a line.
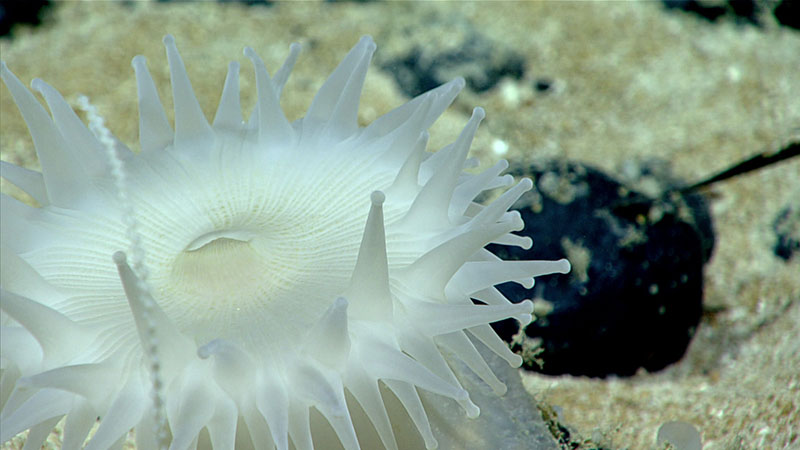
<point>155,132</point>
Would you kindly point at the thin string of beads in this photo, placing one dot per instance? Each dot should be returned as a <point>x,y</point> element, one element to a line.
<point>137,258</point>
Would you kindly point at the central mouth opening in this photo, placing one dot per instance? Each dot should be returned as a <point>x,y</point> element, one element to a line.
<point>229,283</point>
<point>219,281</point>
<point>219,235</point>
<point>219,265</point>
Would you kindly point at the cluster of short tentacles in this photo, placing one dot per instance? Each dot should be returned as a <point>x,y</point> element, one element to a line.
<point>275,270</point>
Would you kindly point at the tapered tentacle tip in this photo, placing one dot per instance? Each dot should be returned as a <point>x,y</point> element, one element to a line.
<point>7,75</point>
<point>138,61</point>
<point>478,113</point>
<point>431,444</point>
<point>119,258</point>
<point>339,303</point>
<point>516,220</point>
<point>471,409</point>
<point>37,84</point>
<point>168,40</point>
<point>249,52</point>
<point>212,347</point>
<point>563,266</point>
<point>525,315</point>
<point>377,198</point>
<point>367,42</point>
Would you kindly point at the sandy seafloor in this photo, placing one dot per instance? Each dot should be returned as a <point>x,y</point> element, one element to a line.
<point>634,83</point>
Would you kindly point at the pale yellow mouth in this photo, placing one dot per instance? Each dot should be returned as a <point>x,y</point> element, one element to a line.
<point>217,266</point>
<point>225,283</point>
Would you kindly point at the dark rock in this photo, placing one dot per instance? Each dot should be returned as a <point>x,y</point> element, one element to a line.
<point>708,12</point>
<point>740,11</point>
<point>543,85</point>
<point>787,13</point>
<point>634,296</point>
<point>480,61</point>
<point>242,2</point>
<point>787,232</point>
<point>13,12</point>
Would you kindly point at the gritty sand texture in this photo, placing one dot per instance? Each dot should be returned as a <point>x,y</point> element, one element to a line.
<point>632,82</point>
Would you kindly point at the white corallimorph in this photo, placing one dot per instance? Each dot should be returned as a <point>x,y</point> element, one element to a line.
<point>282,277</point>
